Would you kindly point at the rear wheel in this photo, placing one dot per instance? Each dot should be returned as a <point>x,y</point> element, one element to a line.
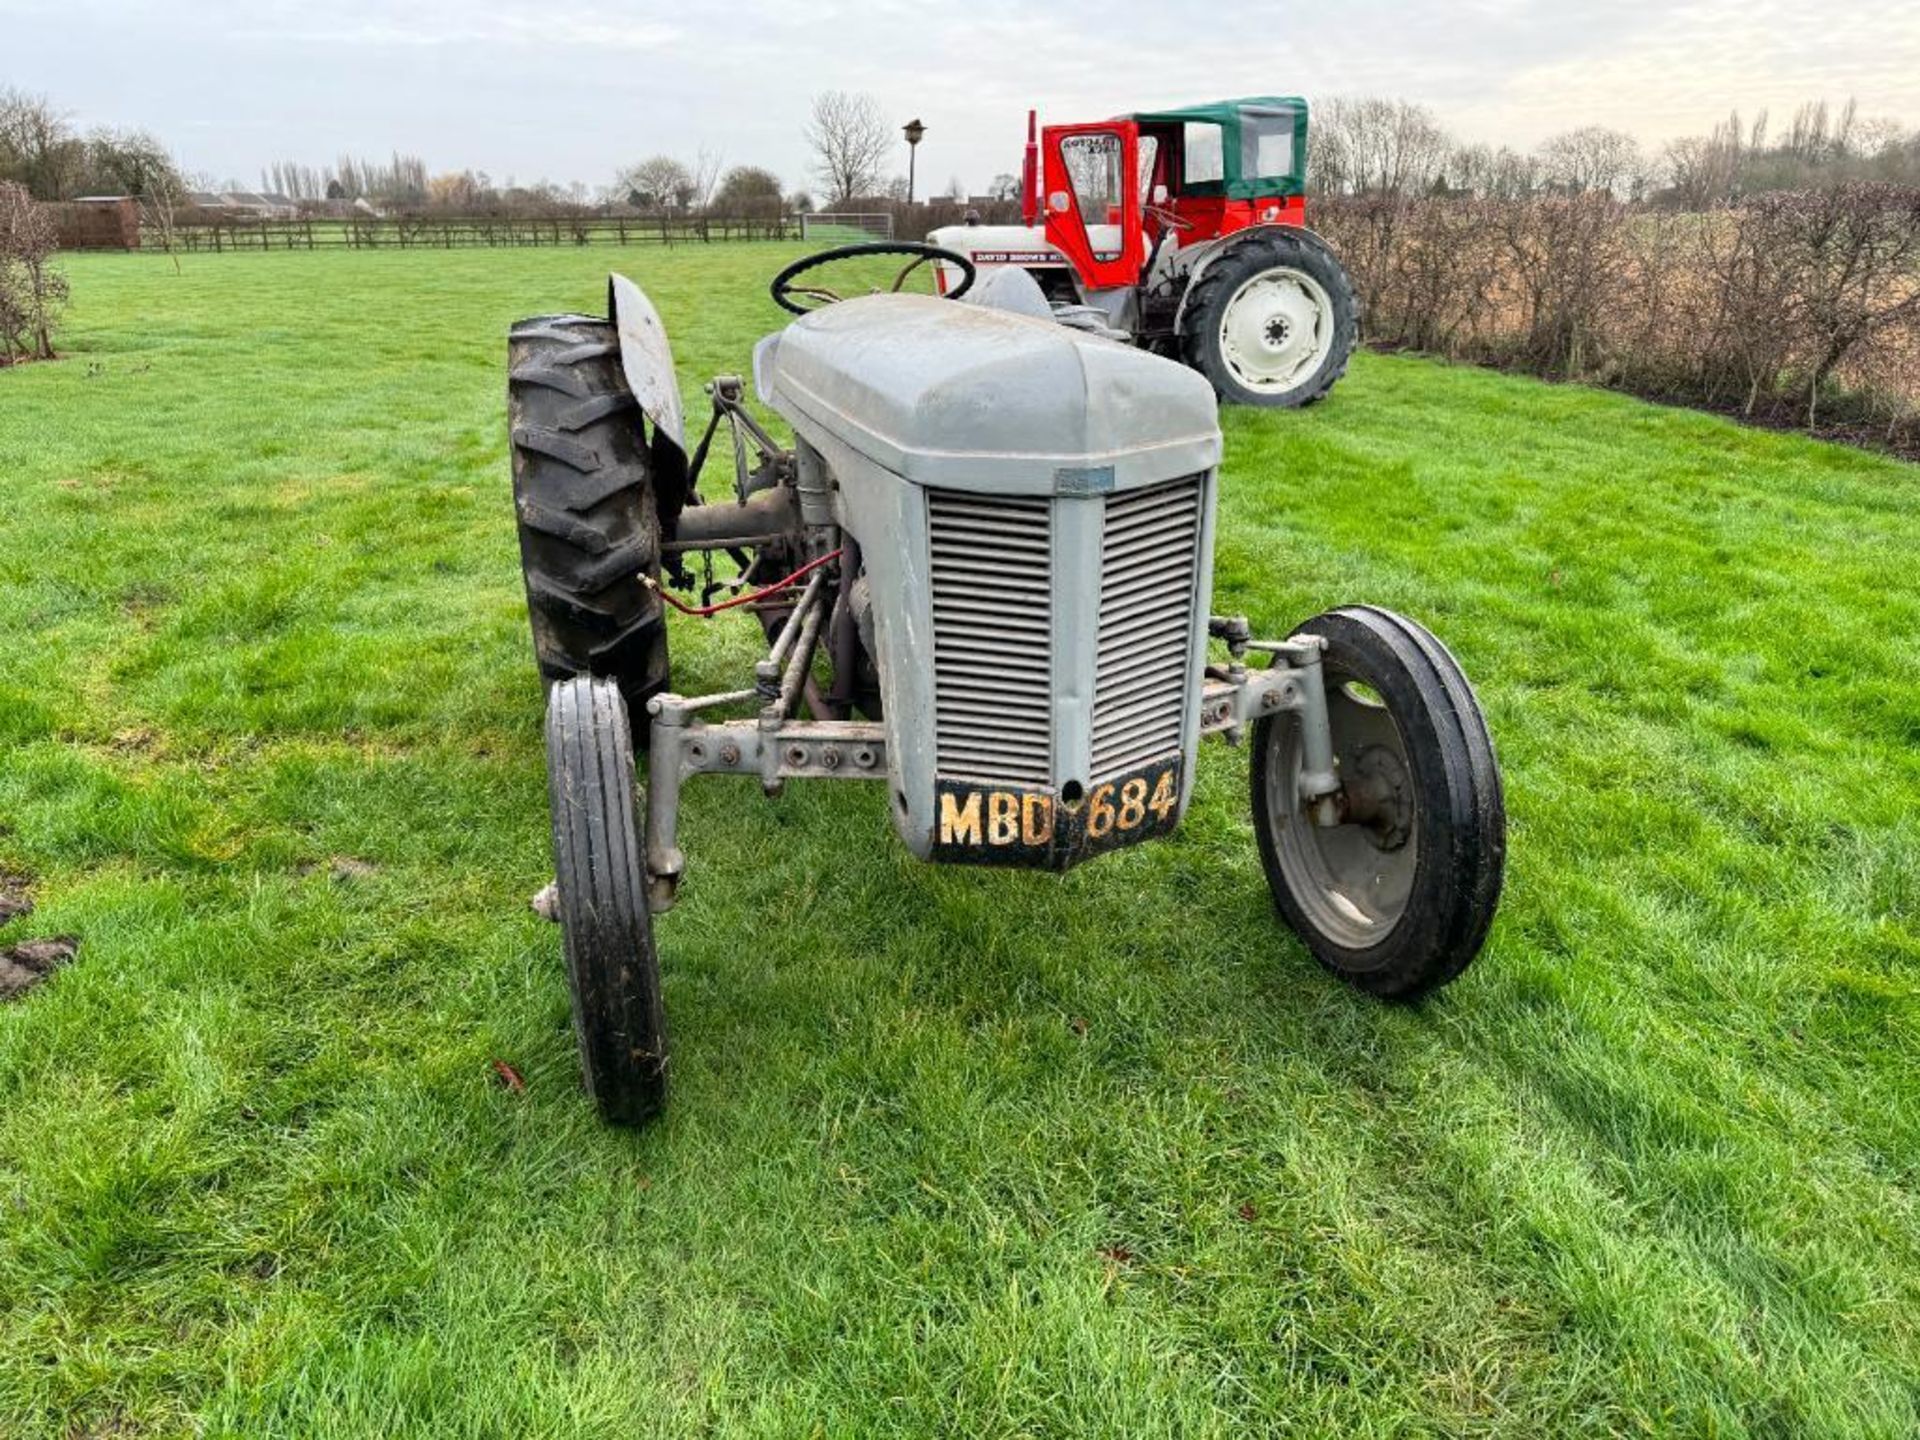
<point>1271,321</point>
<point>583,492</point>
<point>1397,898</point>
<point>613,970</point>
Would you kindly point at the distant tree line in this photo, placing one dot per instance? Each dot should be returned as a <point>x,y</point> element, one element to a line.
<point>41,151</point>
<point>1797,307</point>
<point>1370,145</point>
<point>1358,146</point>
<point>1774,274</point>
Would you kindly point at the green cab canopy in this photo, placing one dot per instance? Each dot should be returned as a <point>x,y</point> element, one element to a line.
<point>1263,145</point>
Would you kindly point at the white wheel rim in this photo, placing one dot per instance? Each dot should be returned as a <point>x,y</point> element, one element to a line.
<point>1276,330</point>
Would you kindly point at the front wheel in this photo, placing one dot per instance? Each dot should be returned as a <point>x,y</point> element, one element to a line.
<point>1398,897</point>
<point>613,970</point>
<point>1271,321</point>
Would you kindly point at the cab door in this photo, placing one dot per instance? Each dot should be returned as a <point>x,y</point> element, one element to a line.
<point>1090,186</point>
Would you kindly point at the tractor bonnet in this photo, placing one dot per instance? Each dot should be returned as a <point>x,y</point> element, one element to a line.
<point>946,394</point>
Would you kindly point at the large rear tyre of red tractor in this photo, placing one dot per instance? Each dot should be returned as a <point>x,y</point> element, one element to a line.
<point>584,495</point>
<point>1271,320</point>
<point>613,970</point>
<point>1396,899</point>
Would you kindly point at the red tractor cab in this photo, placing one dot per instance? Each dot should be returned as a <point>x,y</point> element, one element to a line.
<point>1185,231</point>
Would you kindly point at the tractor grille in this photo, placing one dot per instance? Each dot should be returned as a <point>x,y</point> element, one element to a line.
<point>992,646</point>
<point>1147,559</point>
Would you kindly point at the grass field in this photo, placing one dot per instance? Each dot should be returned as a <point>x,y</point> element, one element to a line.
<point>950,1153</point>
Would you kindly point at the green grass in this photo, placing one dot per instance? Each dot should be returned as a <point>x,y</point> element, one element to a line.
<point>950,1153</point>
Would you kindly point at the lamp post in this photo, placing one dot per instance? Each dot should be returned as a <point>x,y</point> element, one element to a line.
<point>913,130</point>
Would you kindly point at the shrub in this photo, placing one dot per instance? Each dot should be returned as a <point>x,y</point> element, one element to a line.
<point>1792,305</point>
<point>31,290</point>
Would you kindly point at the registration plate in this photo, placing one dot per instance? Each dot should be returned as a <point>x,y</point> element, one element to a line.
<point>983,824</point>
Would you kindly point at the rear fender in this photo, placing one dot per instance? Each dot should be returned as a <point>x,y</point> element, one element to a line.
<point>1207,251</point>
<point>647,361</point>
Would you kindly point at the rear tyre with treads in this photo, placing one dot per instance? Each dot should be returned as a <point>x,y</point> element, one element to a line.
<point>589,524</point>
<point>1272,319</point>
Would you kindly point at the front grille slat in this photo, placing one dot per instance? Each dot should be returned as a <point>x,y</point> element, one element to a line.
<point>1144,659</point>
<point>992,571</point>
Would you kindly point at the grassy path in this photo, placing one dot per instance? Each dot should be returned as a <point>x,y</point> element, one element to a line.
<point>951,1152</point>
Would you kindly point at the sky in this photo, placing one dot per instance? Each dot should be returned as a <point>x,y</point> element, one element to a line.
<point>571,91</point>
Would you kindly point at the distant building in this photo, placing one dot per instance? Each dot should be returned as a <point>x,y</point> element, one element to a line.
<point>97,222</point>
<point>251,203</point>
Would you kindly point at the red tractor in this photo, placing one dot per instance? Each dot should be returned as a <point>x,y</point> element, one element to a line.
<point>1183,231</point>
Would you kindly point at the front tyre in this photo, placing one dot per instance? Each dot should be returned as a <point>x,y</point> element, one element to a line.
<point>1398,897</point>
<point>613,970</point>
<point>1271,321</point>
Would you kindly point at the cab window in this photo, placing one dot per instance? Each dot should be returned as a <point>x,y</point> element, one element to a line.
<point>1093,165</point>
<point>1204,160</point>
<point>1149,162</point>
<point>1266,145</point>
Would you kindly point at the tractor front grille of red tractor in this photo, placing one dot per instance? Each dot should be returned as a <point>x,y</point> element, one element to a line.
<point>992,573</point>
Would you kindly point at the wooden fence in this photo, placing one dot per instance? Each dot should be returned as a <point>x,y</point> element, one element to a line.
<point>209,233</point>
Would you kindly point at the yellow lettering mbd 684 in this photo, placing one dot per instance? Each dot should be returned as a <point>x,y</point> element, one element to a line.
<point>1036,819</point>
<point>960,824</point>
<point>1003,818</point>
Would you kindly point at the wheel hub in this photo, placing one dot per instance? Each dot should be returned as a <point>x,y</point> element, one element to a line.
<point>1377,799</point>
<point>1354,878</point>
<point>1276,330</point>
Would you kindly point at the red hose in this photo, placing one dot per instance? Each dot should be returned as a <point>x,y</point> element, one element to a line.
<point>774,589</point>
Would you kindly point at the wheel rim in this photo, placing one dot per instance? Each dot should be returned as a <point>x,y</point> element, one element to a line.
<point>1276,330</point>
<point>1352,880</point>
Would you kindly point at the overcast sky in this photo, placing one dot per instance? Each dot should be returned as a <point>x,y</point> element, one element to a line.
<point>567,90</point>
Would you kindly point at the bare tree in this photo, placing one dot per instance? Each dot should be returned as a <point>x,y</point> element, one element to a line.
<point>1713,169</point>
<point>31,290</point>
<point>400,181</point>
<point>1594,158</point>
<point>705,175</point>
<point>850,141</point>
<point>38,148</point>
<point>659,182</point>
<point>1848,255</point>
<point>298,182</point>
<point>1697,172</point>
<point>1370,146</point>
<point>458,190</point>
<point>1501,174</point>
<point>1004,186</point>
<point>160,208</point>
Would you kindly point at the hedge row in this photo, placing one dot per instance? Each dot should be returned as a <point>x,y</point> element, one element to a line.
<point>1797,308</point>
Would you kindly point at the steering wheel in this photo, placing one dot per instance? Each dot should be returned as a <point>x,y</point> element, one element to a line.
<point>784,290</point>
